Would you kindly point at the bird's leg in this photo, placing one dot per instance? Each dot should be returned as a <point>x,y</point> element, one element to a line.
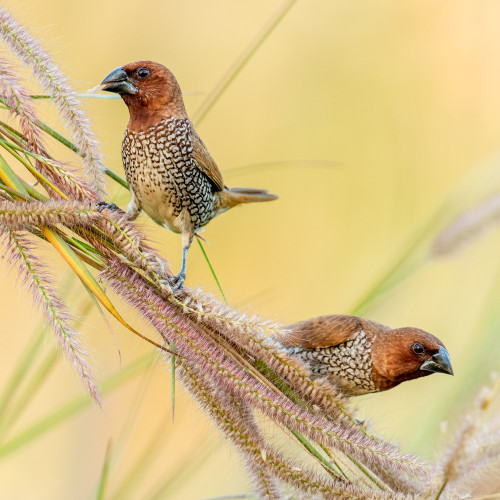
<point>177,282</point>
<point>133,209</point>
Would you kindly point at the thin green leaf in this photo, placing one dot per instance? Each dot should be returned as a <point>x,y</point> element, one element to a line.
<point>34,193</point>
<point>67,410</point>
<point>27,395</point>
<point>101,490</point>
<point>35,342</point>
<point>241,61</point>
<point>15,194</point>
<point>57,136</point>
<point>6,127</point>
<point>70,145</point>
<point>69,255</point>
<point>30,167</point>
<point>408,262</point>
<point>83,273</point>
<point>84,247</point>
<point>183,470</point>
<point>212,270</point>
<point>116,178</point>
<point>367,473</point>
<point>10,179</point>
<point>316,454</point>
<point>172,378</point>
<point>142,463</point>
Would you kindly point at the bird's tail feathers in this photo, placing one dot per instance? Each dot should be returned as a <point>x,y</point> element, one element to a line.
<point>231,197</point>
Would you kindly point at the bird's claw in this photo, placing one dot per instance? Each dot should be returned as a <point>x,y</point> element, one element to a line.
<point>177,282</point>
<point>104,205</point>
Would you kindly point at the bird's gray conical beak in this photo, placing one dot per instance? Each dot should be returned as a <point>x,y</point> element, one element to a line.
<point>439,363</point>
<point>119,82</point>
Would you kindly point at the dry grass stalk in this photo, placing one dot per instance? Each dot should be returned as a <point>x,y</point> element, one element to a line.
<point>22,254</point>
<point>467,226</point>
<point>56,85</point>
<point>461,463</point>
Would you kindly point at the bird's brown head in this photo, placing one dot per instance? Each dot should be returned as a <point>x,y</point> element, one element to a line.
<point>150,91</point>
<point>408,353</point>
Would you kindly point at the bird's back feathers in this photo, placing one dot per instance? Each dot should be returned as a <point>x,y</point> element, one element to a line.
<point>205,162</point>
<point>327,331</point>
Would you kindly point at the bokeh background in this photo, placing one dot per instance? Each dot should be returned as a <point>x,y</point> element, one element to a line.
<point>372,120</point>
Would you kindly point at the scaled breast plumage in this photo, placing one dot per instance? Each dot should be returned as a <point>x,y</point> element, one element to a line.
<point>349,364</point>
<point>163,173</point>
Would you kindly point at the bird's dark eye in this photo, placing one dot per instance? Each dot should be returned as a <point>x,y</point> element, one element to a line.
<point>418,348</point>
<point>143,73</point>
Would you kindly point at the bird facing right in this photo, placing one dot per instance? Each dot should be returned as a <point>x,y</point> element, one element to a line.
<point>361,356</point>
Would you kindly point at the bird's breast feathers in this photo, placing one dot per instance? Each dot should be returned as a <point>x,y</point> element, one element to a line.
<point>163,174</point>
<point>348,364</point>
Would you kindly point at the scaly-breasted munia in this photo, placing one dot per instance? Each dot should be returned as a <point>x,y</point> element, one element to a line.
<point>360,356</point>
<point>171,174</point>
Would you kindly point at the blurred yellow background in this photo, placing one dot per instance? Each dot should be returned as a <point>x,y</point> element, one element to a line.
<point>366,118</point>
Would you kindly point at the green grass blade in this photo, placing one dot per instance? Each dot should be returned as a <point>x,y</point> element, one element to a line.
<point>212,270</point>
<point>184,470</point>
<point>116,178</point>
<point>68,410</point>
<point>85,248</point>
<point>40,375</point>
<point>71,145</point>
<point>34,193</point>
<point>35,383</point>
<point>10,179</point>
<point>57,136</point>
<point>27,359</point>
<point>103,482</point>
<point>172,378</point>
<point>408,262</point>
<point>367,473</point>
<point>11,149</point>
<point>15,194</point>
<point>241,61</point>
<point>316,454</point>
<point>59,243</point>
<point>136,472</point>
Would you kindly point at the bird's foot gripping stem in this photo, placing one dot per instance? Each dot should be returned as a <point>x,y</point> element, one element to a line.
<point>177,282</point>
<point>104,205</point>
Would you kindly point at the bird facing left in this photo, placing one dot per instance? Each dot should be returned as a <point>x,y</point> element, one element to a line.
<point>171,174</point>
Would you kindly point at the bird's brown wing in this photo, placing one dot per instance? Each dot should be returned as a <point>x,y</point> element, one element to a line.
<point>205,162</point>
<point>325,331</point>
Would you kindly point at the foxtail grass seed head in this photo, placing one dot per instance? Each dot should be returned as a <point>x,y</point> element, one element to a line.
<point>34,274</point>
<point>467,226</point>
<point>30,52</point>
